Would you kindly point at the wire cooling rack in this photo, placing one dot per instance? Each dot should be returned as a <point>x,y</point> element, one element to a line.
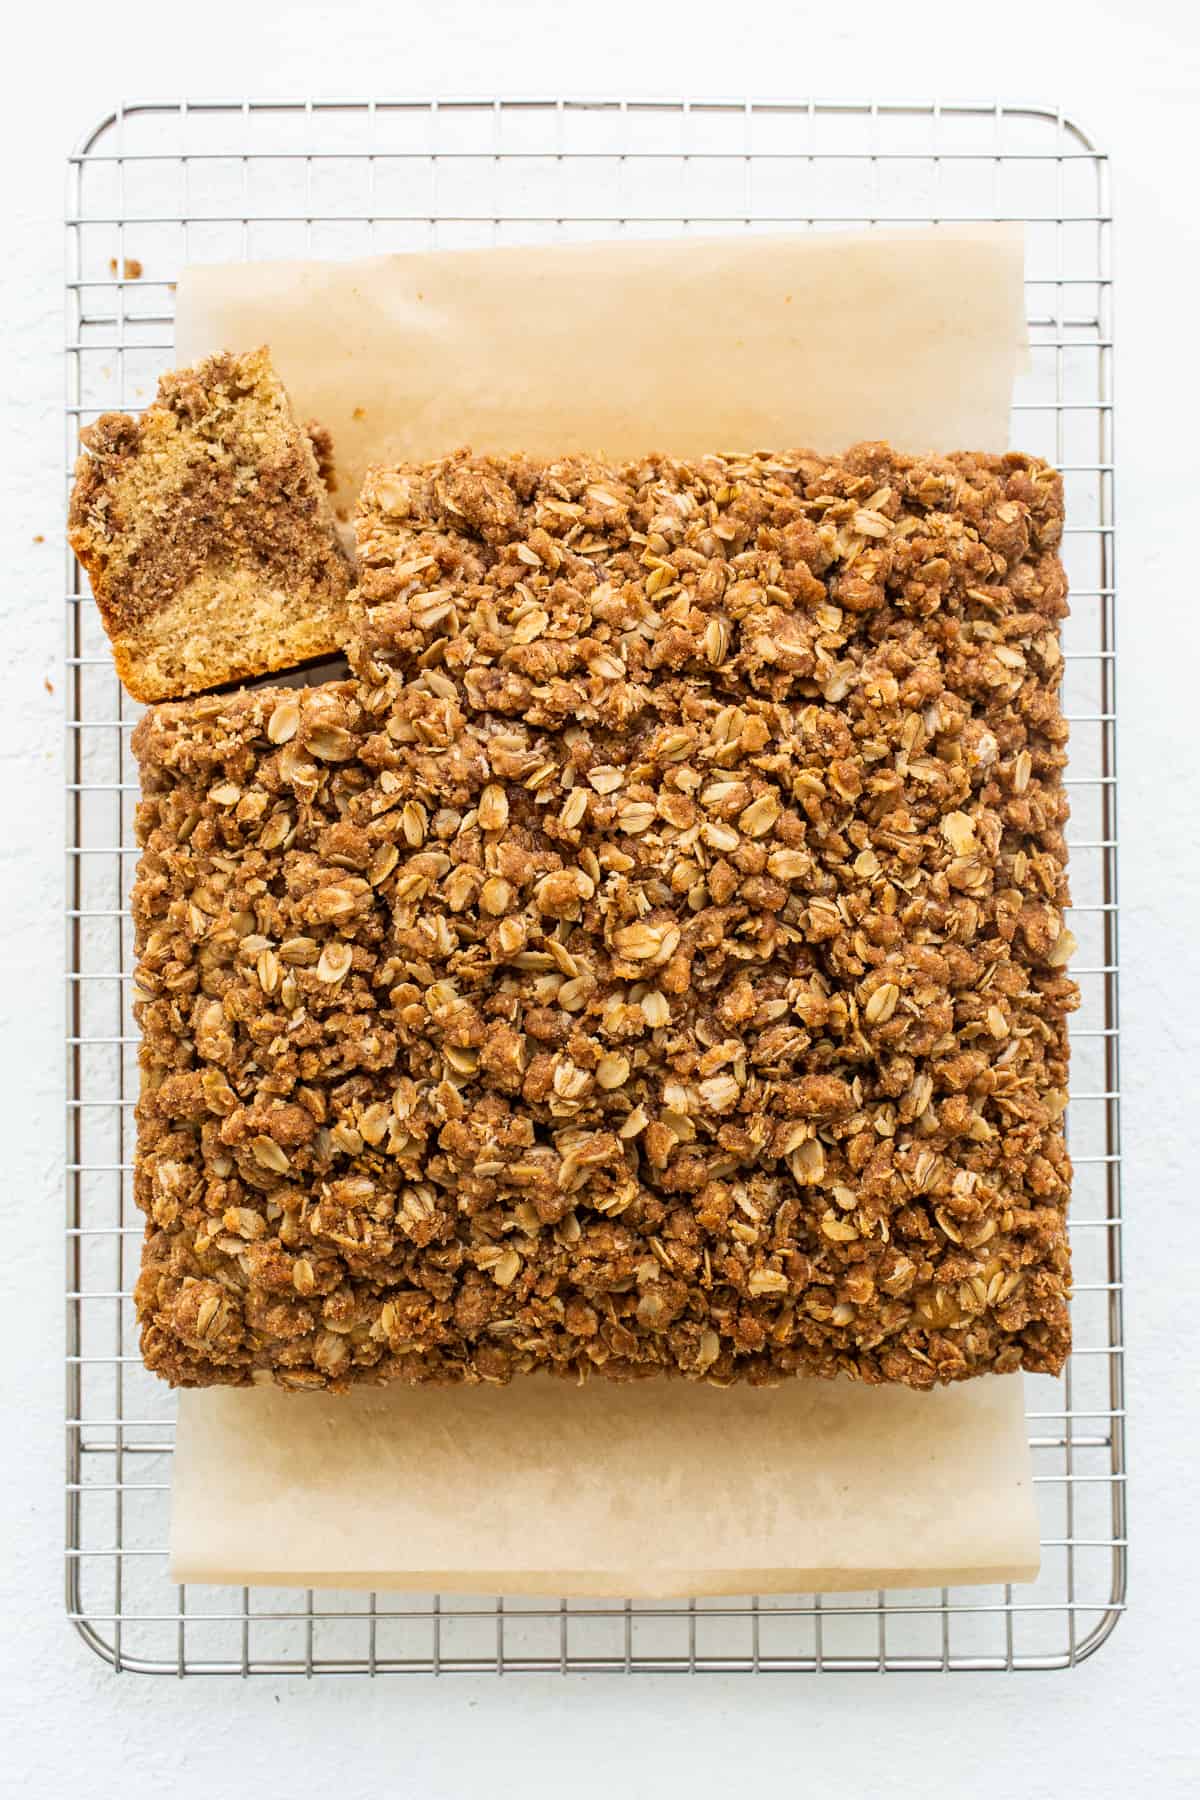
<point>157,185</point>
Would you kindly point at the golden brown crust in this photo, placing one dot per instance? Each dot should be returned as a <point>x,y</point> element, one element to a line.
<point>650,961</point>
<point>207,532</point>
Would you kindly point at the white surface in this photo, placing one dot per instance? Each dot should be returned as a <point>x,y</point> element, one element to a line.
<point>1121,1723</point>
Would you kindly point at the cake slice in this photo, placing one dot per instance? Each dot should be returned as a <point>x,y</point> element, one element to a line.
<point>208,534</point>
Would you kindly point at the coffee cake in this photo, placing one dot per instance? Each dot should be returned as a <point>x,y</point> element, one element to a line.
<point>650,961</point>
<point>208,534</point>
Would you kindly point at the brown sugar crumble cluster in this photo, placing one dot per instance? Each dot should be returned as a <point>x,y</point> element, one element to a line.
<point>650,961</point>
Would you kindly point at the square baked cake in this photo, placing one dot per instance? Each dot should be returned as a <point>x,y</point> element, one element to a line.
<point>650,961</point>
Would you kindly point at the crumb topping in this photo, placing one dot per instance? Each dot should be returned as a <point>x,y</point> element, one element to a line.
<point>651,960</point>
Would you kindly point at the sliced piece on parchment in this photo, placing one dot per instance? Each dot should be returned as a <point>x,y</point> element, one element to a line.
<point>207,532</point>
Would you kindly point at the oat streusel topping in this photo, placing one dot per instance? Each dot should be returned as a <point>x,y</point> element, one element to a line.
<point>651,960</point>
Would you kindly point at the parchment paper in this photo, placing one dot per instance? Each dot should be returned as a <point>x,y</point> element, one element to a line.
<point>649,1491</point>
<point>662,1488</point>
<point>684,346</point>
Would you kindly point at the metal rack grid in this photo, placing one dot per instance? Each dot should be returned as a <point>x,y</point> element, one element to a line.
<point>159,184</point>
